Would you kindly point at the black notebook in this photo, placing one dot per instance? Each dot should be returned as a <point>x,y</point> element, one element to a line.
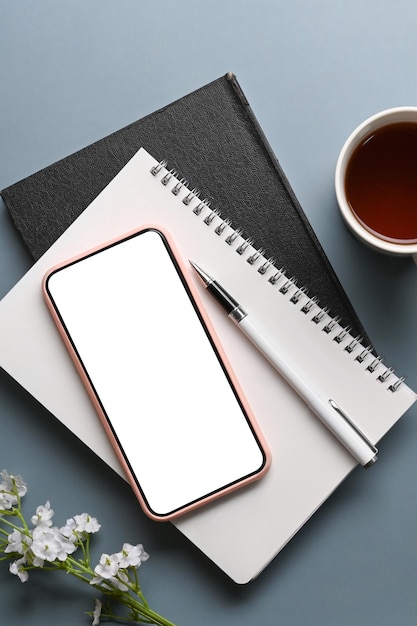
<point>211,137</point>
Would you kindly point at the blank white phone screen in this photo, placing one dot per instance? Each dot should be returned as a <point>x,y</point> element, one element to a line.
<point>160,382</point>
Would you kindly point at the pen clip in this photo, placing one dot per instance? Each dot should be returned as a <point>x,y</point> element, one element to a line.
<point>351,423</point>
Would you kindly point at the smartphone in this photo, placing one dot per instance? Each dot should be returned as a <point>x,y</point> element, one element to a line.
<point>156,373</point>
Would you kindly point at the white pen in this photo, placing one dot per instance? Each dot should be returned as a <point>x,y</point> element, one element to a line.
<point>326,409</point>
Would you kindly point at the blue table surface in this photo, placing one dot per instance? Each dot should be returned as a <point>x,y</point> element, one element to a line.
<point>72,72</point>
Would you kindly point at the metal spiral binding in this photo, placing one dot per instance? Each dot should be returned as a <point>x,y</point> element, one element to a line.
<point>278,278</point>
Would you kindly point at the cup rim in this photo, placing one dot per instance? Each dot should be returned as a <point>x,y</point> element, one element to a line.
<point>374,121</point>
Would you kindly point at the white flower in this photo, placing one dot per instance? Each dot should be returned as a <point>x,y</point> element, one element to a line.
<point>18,542</point>
<point>69,530</point>
<point>46,543</point>
<point>49,545</point>
<point>45,546</point>
<point>10,482</point>
<point>37,561</point>
<point>85,523</point>
<point>10,488</point>
<point>132,556</point>
<point>96,614</point>
<point>67,547</point>
<point>118,582</point>
<point>16,568</point>
<point>43,516</point>
<point>121,581</point>
<point>7,500</point>
<point>107,567</point>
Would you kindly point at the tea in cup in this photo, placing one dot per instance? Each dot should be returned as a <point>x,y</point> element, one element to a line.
<point>376,181</point>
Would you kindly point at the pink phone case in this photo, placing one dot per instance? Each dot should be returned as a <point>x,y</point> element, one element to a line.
<point>133,480</point>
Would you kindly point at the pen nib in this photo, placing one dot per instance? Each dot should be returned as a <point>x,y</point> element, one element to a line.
<point>204,277</point>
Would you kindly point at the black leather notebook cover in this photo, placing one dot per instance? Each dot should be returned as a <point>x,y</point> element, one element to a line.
<point>212,139</point>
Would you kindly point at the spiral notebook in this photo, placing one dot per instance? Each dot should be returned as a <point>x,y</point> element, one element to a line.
<point>307,462</point>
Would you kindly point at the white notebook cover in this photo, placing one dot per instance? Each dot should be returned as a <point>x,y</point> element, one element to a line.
<point>307,462</point>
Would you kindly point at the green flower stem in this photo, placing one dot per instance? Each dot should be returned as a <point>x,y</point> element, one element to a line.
<point>138,607</point>
<point>15,512</point>
<point>9,523</point>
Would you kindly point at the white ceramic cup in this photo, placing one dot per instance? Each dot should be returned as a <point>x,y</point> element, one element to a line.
<point>384,118</point>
